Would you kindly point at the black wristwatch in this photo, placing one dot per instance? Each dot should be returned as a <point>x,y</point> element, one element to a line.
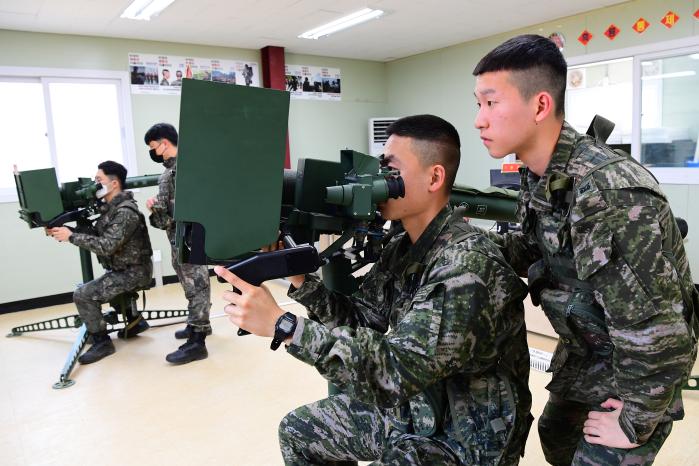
<point>283,329</point>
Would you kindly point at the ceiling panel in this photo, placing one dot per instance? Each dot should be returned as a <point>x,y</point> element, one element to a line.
<point>407,28</point>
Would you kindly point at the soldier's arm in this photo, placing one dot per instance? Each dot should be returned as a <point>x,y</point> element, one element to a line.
<point>448,320</point>
<point>520,249</point>
<point>121,228</point>
<point>621,250</point>
<point>335,309</point>
<point>159,217</point>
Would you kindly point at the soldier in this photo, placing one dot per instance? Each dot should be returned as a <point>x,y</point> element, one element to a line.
<point>447,384</point>
<point>120,241</point>
<point>603,256</point>
<point>161,138</point>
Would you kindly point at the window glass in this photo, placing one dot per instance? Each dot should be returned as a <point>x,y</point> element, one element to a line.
<point>23,134</point>
<point>85,118</point>
<point>670,111</point>
<point>602,88</point>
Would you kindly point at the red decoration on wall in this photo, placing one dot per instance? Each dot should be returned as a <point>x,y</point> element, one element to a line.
<point>585,37</point>
<point>696,14</point>
<point>612,31</point>
<point>640,25</point>
<point>670,19</point>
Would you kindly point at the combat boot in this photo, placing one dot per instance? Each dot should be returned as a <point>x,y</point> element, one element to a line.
<point>102,347</point>
<point>193,350</point>
<point>186,332</point>
<point>133,328</point>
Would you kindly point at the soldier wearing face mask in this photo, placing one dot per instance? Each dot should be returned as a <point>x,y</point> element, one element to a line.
<point>161,139</point>
<point>119,239</point>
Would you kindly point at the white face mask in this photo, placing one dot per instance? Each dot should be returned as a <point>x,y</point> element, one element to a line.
<point>103,191</point>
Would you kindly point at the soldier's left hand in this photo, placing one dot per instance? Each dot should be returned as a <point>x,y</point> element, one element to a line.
<point>60,233</point>
<point>253,309</point>
<point>602,428</point>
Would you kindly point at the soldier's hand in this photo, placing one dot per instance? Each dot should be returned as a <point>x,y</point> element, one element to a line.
<point>150,202</point>
<point>60,233</point>
<point>296,280</point>
<point>253,309</point>
<point>602,428</point>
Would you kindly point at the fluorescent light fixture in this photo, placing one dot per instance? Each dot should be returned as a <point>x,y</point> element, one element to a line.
<point>678,74</point>
<point>694,56</point>
<point>145,9</point>
<point>343,23</point>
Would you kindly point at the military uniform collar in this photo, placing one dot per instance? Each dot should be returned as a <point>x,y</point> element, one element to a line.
<point>121,197</point>
<point>170,163</point>
<point>557,165</point>
<point>414,253</point>
<point>116,200</point>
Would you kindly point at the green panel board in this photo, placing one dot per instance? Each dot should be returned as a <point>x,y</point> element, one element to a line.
<point>230,164</point>
<point>38,194</point>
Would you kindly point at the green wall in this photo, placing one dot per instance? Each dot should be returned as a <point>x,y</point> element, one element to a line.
<point>440,82</point>
<point>32,265</point>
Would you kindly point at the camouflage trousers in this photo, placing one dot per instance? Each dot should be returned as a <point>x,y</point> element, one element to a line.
<point>90,296</point>
<point>197,289</point>
<point>560,431</point>
<point>339,431</point>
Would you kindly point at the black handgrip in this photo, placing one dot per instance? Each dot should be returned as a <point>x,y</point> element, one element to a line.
<point>275,264</point>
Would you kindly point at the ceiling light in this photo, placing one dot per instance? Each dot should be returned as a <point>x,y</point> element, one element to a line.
<point>343,23</point>
<point>145,9</point>
<point>694,56</point>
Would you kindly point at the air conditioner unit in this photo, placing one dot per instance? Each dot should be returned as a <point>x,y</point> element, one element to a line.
<point>377,134</point>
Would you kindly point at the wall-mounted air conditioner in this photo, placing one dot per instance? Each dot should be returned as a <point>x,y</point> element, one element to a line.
<point>377,134</point>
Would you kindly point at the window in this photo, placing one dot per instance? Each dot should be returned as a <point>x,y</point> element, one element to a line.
<point>670,111</point>
<point>68,119</point>
<point>651,93</point>
<point>603,88</point>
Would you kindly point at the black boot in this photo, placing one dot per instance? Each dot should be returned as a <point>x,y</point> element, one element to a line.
<point>193,350</point>
<point>102,347</point>
<point>186,332</point>
<point>134,327</point>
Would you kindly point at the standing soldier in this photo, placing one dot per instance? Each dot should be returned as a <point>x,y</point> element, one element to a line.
<point>161,138</point>
<point>122,246</point>
<point>604,258</point>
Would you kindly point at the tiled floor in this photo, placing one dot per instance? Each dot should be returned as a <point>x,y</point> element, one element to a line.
<point>133,408</point>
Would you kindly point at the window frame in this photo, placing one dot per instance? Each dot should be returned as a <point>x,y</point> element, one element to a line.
<point>654,51</point>
<point>45,76</point>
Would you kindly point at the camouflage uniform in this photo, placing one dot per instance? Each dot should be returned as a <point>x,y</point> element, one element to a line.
<point>605,259</point>
<point>122,246</point>
<point>446,385</point>
<point>194,278</point>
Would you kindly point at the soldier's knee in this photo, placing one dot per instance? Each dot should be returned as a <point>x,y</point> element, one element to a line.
<point>79,294</point>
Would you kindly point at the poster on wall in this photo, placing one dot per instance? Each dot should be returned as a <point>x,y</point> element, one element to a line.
<point>313,82</point>
<point>163,74</point>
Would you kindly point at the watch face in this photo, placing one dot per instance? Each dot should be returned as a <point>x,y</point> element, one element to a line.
<point>286,325</point>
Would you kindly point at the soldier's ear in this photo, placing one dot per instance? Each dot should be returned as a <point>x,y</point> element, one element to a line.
<point>545,106</point>
<point>438,177</point>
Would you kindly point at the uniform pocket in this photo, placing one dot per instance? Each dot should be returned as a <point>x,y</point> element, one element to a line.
<point>554,303</point>
<point>418,331</point>
<point>592,247</point>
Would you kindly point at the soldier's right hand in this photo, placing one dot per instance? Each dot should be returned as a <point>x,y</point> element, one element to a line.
<point>150,202</point>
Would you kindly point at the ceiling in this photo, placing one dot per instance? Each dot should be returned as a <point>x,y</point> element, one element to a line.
<point>408,27</point>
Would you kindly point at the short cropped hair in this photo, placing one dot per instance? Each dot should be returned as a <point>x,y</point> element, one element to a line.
<point>161,131</point>
<point>114,170</point>
<point>435,141</point>
<point>536,65</point>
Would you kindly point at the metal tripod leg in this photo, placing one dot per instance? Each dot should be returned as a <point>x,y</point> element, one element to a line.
<point>73,321</point>
<point>64,381</point>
